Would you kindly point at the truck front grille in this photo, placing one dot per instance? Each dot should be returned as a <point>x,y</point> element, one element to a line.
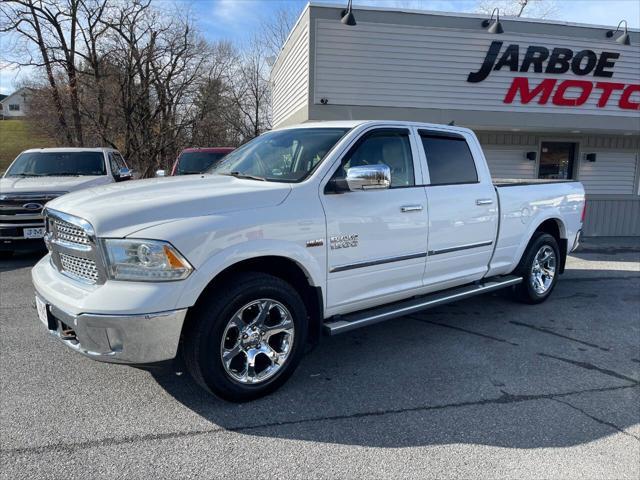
<point>70,233</point>
<point>74,251</point>
<point>82,268</point>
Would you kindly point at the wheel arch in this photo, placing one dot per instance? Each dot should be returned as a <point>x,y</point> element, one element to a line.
<point>555,227</point>
<point>284,268</point>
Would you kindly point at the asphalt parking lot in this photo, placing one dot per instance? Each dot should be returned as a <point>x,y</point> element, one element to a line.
<point>482,388</point>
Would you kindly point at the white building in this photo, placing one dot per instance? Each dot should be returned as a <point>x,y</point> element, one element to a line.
<point>547,99</point>
<point>16,104</point>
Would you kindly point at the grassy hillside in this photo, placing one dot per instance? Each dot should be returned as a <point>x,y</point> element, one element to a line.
<point>16,136</point>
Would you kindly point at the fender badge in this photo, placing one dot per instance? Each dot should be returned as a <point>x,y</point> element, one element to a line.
<point>315,243</point>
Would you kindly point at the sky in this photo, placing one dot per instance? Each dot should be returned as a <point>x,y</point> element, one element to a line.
<point>236,20</point>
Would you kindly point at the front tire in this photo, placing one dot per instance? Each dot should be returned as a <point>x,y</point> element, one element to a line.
<point>539,269</point>
<point>246,339</point>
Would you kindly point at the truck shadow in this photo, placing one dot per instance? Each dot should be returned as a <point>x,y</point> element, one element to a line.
<point>483,371</point>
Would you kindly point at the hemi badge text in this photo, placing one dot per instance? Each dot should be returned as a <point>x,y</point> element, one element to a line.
<point>315,243</point>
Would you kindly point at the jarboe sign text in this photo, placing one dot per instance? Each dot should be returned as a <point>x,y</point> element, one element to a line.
<point>558,61</point>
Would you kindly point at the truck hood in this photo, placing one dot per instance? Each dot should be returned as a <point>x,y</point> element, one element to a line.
<point>50,184</point>
<point>121,209</point>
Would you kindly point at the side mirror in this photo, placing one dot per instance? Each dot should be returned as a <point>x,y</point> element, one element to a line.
<point>368,177</point>
<point>161,173</point>
<point>124,174</point>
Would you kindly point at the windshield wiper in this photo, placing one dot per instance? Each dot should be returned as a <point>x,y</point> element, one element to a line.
<point>244,175</point>
<point>63,174</point>
<point>25,175</point>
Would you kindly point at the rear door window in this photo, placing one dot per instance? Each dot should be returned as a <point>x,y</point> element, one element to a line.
<point>449,158</point>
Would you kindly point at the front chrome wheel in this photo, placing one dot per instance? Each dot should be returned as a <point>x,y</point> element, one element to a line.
<point>257,341</point>
<point>543,270</point>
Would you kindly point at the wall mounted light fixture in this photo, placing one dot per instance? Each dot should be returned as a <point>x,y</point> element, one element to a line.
<point>347,15</point>
<point>622,39</point>
<point>495,26</point>
<point>532,156</point>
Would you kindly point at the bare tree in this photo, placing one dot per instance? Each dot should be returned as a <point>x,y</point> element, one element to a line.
<point>519,8</point>
<point>127,74</point>
<point>213,101</point>
<point>158,75</point>
<point>27,19</point>
<point>251,92</point>
<point>275,28</point>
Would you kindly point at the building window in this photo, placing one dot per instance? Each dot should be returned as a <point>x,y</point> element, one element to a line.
<point>14,107</point>
<point>556,160</point>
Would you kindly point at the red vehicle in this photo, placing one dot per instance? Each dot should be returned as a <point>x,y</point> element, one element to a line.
<point>198,160</point>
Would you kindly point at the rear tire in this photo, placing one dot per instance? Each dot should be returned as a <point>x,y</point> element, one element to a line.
<point>539,269</point>
<point>246,339</point>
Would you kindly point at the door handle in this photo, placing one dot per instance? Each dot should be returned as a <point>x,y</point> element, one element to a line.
<point>484,201</point>
<point>410,208</point>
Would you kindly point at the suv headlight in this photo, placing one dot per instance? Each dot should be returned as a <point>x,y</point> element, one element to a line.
<point>144,261</point>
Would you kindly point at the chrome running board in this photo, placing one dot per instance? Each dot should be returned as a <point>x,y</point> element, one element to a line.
<point>346,323</point>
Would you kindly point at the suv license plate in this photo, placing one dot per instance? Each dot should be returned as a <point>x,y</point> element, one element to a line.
<point>42,311</point>
<point>33,232</point>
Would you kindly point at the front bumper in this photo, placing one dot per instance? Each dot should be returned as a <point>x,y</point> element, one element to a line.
<point>132,339</point>
<point>12,230</point>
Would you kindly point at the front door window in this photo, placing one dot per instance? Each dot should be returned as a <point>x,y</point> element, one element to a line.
<point>556,160</point>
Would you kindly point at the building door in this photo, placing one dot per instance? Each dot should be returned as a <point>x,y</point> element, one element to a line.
<point>556,160</point>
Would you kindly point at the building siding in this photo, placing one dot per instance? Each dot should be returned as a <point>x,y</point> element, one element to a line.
<point>619,217</point>
<point>612,173</point>
<point>376,64</point>
<point>509,163</point>
<point>290,76</point>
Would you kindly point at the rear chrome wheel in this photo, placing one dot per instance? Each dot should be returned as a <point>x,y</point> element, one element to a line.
<point>257,341</point>
<point>539,268</point>
<point>543,270</point>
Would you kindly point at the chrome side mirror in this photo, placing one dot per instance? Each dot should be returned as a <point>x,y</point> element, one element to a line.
<point>124,174</point>
<point>161,173</point>
<point>368,177</point>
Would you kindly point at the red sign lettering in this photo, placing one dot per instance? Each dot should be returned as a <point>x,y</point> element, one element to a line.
<point>564,97</point>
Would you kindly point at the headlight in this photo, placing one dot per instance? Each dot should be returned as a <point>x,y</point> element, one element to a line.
<point>144,261</point>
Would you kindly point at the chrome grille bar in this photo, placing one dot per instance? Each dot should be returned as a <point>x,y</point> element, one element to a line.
<point>74,248</point>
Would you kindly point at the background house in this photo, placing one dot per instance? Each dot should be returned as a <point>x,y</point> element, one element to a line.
<point>15,104</point>
<point>546,99</point>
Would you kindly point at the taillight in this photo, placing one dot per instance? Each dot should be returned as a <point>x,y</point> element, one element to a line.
<point>584,212</point>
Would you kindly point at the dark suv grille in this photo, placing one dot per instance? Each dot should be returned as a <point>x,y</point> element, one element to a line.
<point>20,210</point>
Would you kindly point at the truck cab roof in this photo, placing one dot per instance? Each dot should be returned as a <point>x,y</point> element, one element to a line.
<point>378,123</point>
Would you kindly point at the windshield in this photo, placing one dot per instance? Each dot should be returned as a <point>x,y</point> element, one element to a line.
<point>197,162</point>
<point>55,164</point>
<point>281,156</point>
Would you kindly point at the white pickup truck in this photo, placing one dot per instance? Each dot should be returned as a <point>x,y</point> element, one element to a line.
<point>39,175</point>
<point>316,227</point>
